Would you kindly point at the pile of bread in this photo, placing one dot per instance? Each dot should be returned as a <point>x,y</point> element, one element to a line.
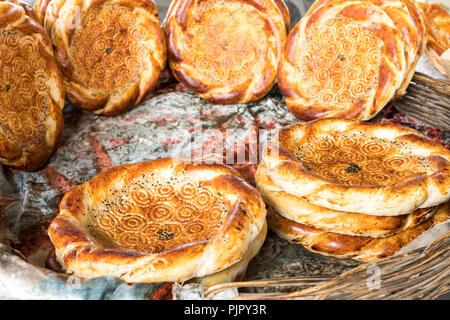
<point>338,187</point>
<point>353,189</point>
<point>104,56</point>
<point>343,59</point>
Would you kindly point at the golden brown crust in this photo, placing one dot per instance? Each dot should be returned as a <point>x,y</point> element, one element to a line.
<point>421,40</point>
<point>237,271</point>
<point>28,9</point>
<point>350,165</point>
<point>111,52</point>
<point>226,51</point>
<point>437,21</point>
<point>31,90</point>
<point>407,19</point>
<point>344,59</point>
<point>162,220</point>
<point>39,8</point>
<point>281,5</point>
<point>349,223</point>
<point>285,12</point>
<point>344,246</point>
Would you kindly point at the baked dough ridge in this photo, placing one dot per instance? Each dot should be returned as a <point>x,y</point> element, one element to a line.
<point>349,223</point>
<point>222,73</point>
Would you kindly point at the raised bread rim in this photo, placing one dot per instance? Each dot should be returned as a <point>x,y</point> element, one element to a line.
<point>417,25</point>
<point>337,245</point>
<point>237,271</point>
<point>282,7</point>
<point>365,109</point>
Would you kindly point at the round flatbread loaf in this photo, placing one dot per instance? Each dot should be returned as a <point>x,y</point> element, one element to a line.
<point>31,90</point>
<point>345,59</point>
<point>227,51</point>
<point>349,223</point>
<point>344,246</point>
<point>111,52</point>
<point>405,16</point>
<point>350,165</point>
<point>162,220</point>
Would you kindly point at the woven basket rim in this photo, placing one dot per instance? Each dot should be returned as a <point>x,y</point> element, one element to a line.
<point>425,274</point>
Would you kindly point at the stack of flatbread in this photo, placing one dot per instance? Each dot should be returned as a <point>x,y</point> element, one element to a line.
<point>353,189</point>
<point>348,59</point>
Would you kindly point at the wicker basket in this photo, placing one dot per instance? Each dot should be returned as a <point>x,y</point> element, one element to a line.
<point>427,101</point>
<point>418,274</point>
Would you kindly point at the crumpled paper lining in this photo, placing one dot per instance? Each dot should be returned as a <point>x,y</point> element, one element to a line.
<point>195,291</point>
<point>22,280</point>
<point>426,238</point>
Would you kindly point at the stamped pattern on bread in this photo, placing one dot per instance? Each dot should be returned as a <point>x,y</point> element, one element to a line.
<point>151,215</point>
<point>342,59</point>
<point>233,54</point>
<point>406,17</point>
<point>107,35</point>
<point>23,89</point>
<point>360,160</point>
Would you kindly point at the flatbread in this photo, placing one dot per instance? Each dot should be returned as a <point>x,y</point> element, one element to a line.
<point>111,52</point>
<point>350,165</point>
<point>345,59</point>
<point>162,220</point>
<point>237,271</point>
<point>406,17</point>
<point>31,90</point>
